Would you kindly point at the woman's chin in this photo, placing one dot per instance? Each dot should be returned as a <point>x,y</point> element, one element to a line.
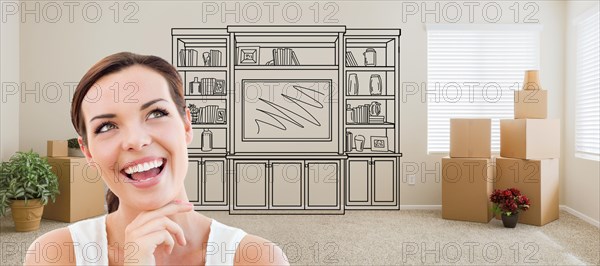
<point>152,202</point>
<point>150,206</point>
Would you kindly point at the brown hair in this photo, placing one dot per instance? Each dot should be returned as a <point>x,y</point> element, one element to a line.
<point>112,64</point>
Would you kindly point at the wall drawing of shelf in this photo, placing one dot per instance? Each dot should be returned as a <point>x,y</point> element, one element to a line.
<point>278,103</point>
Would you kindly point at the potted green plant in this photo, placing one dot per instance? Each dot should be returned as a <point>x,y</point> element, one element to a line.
<point>509,203</point>
<point>74,150</point>
<point>26,185</point>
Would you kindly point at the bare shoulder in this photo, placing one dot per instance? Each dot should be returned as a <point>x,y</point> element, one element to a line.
<point>54,247</point>
<point>255,250</point>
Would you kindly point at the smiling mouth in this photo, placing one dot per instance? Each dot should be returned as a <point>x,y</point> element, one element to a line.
<point>145,171</point>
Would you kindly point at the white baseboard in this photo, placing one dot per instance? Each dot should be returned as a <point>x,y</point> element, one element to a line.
<point>580,215</point>
<point>420,207</point>
<point>562,207</point>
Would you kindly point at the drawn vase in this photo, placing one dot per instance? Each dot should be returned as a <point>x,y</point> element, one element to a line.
<point>370,57</point>
<point>195,86</point>
<point>375,84</point>
<point>207,140</point>
<point>359,143</point>
<point>349,116</point>
<point>353,84</point>
<point>206,58</point>
<point>349,141</point>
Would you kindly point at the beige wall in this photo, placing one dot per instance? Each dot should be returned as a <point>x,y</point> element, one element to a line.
<point>427,190</point>
<point>9,80</point>
<point>59,53</point>
<point>581,177</point>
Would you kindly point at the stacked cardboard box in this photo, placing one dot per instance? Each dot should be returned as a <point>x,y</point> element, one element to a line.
<point>538,180</point>
<point>529,148</point>
<point>532,100</point>
<point>467,175</point>
<point>80,184</point>
<point>57,148</point>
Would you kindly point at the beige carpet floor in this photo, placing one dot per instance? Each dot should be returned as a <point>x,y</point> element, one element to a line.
<point>390,238</point>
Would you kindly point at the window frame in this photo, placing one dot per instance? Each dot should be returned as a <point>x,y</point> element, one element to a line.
<point>578,23</point>
<point>534,28</point>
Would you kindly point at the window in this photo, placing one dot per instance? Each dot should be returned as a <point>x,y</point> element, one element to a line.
<point>472,72</point>
<point>587,110</point>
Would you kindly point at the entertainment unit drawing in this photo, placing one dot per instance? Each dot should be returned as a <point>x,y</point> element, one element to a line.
<point>291,119</point>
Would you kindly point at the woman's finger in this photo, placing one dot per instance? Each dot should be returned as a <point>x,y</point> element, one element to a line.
<point>163,223</point>
<point>146,246</point>
<point>169,209</point>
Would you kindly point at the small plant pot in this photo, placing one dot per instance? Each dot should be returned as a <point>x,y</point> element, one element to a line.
<point>75,152</point>
<point>27,217</point>
<point>510,221</point>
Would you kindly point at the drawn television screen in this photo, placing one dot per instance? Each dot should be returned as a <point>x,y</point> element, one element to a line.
<point>286,110</point>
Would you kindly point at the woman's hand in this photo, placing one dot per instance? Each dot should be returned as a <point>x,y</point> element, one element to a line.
<point>154,229</point>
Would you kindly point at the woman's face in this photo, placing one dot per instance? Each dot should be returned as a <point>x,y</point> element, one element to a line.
<point>137,137</point>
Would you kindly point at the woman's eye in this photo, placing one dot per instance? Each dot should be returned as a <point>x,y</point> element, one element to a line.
<point>157,113</point>
<point>105,127</point>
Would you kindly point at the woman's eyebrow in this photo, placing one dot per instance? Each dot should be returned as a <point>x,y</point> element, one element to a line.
<point>102,116</point>
<point>144,106</point>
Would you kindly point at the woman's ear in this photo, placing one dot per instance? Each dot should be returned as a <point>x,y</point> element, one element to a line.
<point>84,149</point>
<point>189,133</point>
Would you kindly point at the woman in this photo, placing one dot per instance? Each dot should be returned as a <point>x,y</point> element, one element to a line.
<point>130,114</point>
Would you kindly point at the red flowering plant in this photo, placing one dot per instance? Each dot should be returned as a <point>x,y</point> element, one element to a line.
<point>509,201</point>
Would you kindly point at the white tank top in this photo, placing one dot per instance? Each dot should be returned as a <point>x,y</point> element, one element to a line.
<point>91,243</point>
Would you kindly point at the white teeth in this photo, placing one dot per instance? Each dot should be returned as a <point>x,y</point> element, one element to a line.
<point>144,166</point>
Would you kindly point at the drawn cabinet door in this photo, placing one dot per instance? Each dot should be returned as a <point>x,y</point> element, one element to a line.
<point>286,184</point>
<point>192,183</point>
<point>359,182</point>
<point>322,184</point>
<point>214,181</point>
<point>384,181</point>
<point>250,185</point>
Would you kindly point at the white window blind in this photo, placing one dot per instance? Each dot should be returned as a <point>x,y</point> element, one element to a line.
<point>587,110</point>
<point>472,73</point>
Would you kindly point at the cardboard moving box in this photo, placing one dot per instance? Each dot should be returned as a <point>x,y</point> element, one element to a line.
<point>536,179</point>
<point>467,184</point>
<point>470,138</point>
<point>530,138</point>
<point>57,148</point>
<point>531,104</point>
<point>81,190</point>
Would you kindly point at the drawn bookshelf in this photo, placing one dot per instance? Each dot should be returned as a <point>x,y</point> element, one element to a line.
<point>283,141</point>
